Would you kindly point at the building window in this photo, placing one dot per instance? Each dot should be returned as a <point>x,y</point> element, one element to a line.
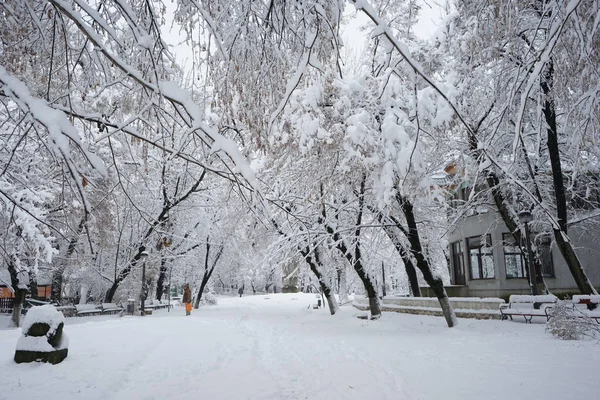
<point>481,259</point>
<point>458,265</point>
<point>513,258</point>
<point>545,254</point>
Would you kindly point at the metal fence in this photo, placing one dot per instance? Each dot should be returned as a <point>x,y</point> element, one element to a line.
<point>6,304</point>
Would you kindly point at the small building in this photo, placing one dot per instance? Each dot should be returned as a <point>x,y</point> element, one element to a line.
<point>44,289</point>
<point>485,261</point>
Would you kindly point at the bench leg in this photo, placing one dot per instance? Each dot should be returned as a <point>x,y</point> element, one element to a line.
<point>528,320</point>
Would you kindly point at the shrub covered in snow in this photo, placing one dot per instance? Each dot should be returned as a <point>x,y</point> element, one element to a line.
<point>568,323</point>
<point>209,299</point>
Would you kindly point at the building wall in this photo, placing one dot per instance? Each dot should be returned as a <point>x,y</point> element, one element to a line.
<point>44,292</point>
<point>6,293</point>
<point>585,240</point>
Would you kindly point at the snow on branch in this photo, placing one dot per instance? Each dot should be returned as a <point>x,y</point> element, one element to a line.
<point>60,129</point>
<point>541,62</point>
<point>385,30</point>
<point>169,90</point>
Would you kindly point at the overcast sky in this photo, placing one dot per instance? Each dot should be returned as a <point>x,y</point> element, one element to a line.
<point>354,39</point>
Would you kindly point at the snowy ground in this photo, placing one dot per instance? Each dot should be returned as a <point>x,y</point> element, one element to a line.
<point>272,347</point>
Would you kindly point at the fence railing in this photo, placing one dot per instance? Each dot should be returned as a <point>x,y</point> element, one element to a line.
<point>6,304</point>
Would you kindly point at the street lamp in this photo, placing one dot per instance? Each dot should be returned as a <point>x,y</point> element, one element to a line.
<point>143,257</point>
<point>525,217</point>
<point>169,290</point>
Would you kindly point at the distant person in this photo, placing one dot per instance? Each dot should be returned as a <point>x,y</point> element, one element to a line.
<point>241,291</point>
<point>187,299</point>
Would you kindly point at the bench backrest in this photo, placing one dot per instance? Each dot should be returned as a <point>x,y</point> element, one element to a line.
<point>86,307</point>
<point>526,302</point>
<point>106,306</point>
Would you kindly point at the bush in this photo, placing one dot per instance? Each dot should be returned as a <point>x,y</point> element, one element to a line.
<point>209,299</point>
<point>568,323</point>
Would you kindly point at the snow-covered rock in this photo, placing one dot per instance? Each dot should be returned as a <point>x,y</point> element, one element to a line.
<point>43,338</point>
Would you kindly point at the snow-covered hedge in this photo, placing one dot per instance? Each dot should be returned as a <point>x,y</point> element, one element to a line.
<point>586,297</point>
<point>209,299</point>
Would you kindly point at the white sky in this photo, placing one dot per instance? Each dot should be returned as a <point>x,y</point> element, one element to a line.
<point>432,13</point>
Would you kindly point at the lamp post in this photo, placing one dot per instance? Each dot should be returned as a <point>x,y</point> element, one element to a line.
<point>169,291</point>
<point>525,217</point>
<point>143,256</point>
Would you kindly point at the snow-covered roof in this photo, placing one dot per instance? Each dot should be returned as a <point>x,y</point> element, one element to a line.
<point>43,278</point>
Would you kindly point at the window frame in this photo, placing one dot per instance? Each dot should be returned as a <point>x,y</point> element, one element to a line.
<point>545,247</point>
<point>519,253</point>
<point>480,255</point>
<point>460,256</point>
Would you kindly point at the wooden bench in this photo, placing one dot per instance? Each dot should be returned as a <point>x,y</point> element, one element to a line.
<point>110,308</point>
<point>528,306</point>
<point>87,309</point>
<point>587,305</point>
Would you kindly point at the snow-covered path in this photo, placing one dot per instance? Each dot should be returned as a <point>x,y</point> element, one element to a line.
<point>273,347</point>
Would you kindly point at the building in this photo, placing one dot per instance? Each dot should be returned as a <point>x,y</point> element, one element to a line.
<point>485,261</point>
<point>6,294</point>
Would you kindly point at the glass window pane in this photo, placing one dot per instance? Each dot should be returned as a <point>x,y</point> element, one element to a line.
<point>514,265</point>
<point>474,257</point>
<point>487,262</point>
<point>545,251</point>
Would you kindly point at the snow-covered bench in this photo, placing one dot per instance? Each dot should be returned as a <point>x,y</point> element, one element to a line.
<point>165,304</point>
<point>161,304</point>
<point>111,308</point>
<point>588,305</point>
<point>528,306</point>
<point>68,311</point>
<point>87,309</point>
<point>155,304</point>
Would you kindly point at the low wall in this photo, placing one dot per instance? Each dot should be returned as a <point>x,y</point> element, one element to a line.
<point>451,291</point>
<point>464,307</point>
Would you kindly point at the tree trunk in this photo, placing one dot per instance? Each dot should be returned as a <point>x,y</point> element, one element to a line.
<point>493,183</point>
<point>84,294</point>
<point>205,278</point>
<point>161,220</point>
<point>110,293</point>
<point>435,282</point>
<point>383,289</point>
<point>207,271</point>
<point>560,235</point>
<point>313,261</point>
<point>343,284</point>
<point>19,302</point>
<point>566,248</point>
<point>59,270</point>
<point>409,267</point>
<point>33,286</point>
<point>374,305</point>
<point>20,289</point>
<point>354,258</point>
<point>162,275</point>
